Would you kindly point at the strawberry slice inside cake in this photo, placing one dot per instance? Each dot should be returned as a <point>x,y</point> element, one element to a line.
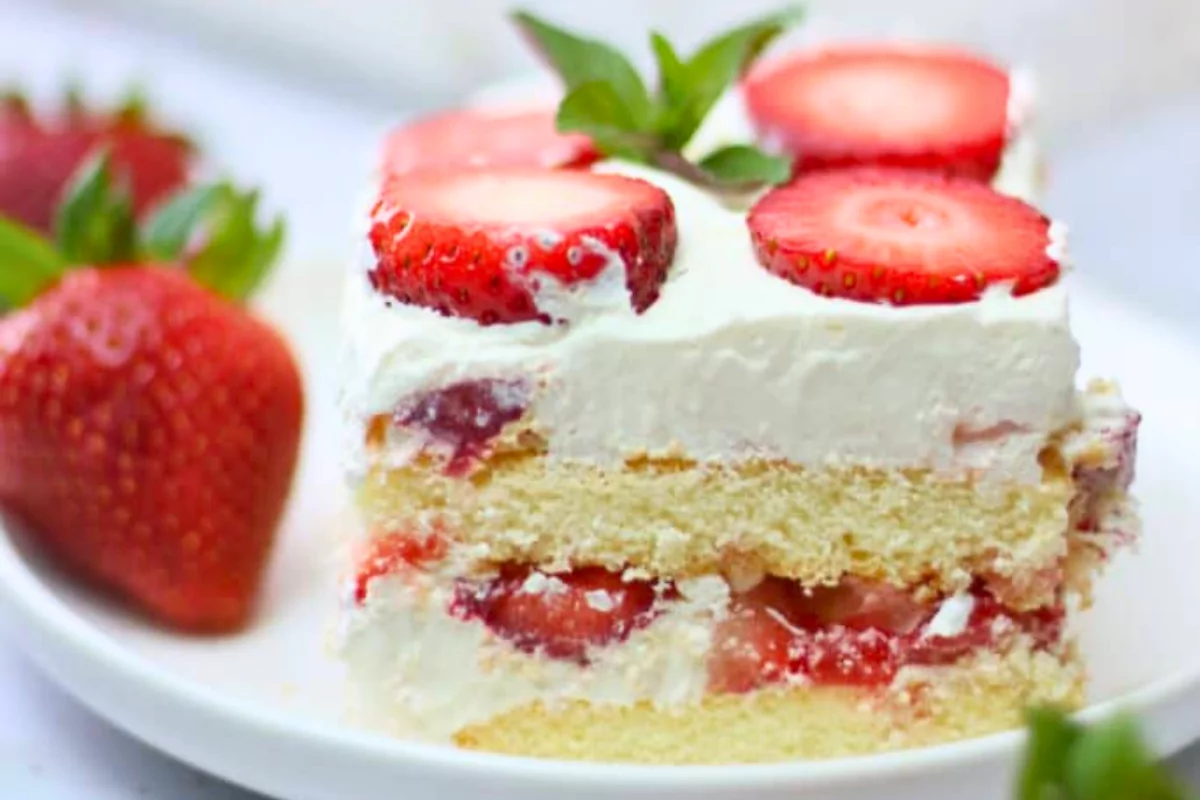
<point>649,473</point>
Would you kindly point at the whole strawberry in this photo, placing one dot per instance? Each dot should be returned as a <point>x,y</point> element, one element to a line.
<point>40,153</point>
<point>149,425</point>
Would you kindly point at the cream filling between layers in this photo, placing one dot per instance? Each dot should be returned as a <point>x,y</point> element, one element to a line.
<point>734,362</point>
<point>421,671</point>
<point>418,671</point>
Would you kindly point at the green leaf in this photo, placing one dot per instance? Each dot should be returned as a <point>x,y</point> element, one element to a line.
<point>1052,734</point>
<point>1111,762</point>
<point>579,61</point>
<point>672,73</point>
<point>236,255</point>
<point>30,263</point>
<point>594,109</point>
<point>746,164</point>
<point>172,226</point>
<point>73,102</point>
<point>672,85</point>
<point>134,106</point>
<point>13,101</point>
<point>95,224</point>
<point>720,62</point>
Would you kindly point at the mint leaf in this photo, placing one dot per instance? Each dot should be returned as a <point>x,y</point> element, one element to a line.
<point>236,255</point>
<point>718,64</point>
<point>746,164</point>
<point>30,264</point>
<point>672,74</point>
<point>596,110</point>
<point>95,225</point>
<point>1111,762</point>
<point>578,61</point>
<point>1052,734</point>
<point>607,100</point>
<point>173,225</point>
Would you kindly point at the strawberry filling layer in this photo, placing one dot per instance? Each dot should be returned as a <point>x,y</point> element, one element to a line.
<point>857,633</point>
<point>462,419</point>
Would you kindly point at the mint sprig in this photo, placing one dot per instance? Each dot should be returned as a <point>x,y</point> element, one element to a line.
<point>608,101</point>
<point>1065,760</point>
<point>212,231</point>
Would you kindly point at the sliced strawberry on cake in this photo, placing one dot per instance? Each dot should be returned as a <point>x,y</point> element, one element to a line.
<point>481,138</point>
<point>933,109</point>
<point>521,244</point>
<point>901,237</point>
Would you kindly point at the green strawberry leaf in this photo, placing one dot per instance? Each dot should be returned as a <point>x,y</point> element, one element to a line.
<point>235,255</point>
<point>1052,734</point>
<point>578,61</point>
<point>73,104</point>
<point>134,107</point>
<point>13,101</point>
<point>173,225</point>
<point>30,263</point>
<point>746,164</point>
<point>596,110</point>
<point>95,225</point>
<point>718,64</point>
<point>1111,762</point>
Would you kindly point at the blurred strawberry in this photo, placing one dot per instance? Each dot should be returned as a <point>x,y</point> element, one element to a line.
<point>40,153</point>
<point>149,425</point>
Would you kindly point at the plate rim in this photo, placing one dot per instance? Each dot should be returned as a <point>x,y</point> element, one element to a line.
<point>32,606</point>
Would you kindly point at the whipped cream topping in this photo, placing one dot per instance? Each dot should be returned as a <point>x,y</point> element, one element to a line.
<point>734,362</point>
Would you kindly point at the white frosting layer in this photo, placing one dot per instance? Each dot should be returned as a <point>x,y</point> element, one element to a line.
<point>733,361</point>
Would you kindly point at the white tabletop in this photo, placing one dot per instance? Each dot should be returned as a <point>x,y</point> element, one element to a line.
<point>296,142</point>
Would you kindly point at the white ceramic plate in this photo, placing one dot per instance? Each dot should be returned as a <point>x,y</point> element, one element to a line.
<point>262,709</point>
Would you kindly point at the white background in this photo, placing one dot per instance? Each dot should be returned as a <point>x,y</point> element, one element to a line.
<point>1127,178</point>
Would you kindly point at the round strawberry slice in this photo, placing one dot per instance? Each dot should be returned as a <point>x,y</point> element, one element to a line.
<point>933,109</point>
<point>901,237</point>
<point>483,244</point>
<point>477,138</point>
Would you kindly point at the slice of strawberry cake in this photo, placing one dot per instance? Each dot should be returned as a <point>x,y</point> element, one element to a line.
<point>647,472</point>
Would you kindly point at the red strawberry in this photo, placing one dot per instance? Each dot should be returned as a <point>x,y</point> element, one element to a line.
<point>38,156</point>
<point>561,615</point>
<point>989,623</point>
<point>387,553</point>
<point>883,105</point>
<point>760,639</point>
<point>149,427</point>
<point>482,138</point>
<point>860,604</point>
<point>901,237</point>
<point>479,244</point>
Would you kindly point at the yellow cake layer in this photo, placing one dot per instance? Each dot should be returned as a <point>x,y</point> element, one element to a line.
<point>976,697</point>
<point>675,518</point>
